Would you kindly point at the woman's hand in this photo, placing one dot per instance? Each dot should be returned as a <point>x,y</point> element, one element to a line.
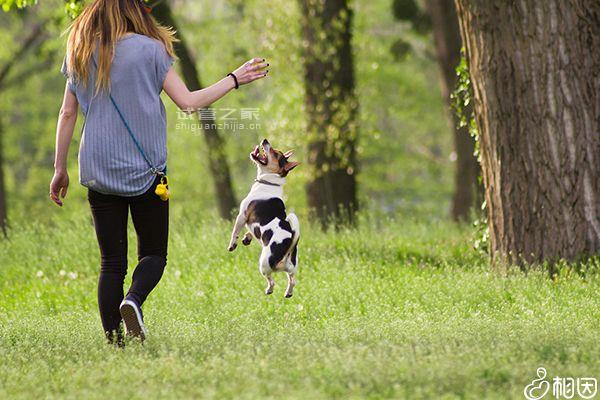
<point>251,70</point>
<point>59,186</point>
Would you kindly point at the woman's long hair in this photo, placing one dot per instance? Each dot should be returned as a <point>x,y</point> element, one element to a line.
<point>102,23</point>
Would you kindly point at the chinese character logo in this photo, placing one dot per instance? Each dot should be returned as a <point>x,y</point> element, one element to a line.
<point>562,387</point>
<point>539,387</point>
<point>587,387</point>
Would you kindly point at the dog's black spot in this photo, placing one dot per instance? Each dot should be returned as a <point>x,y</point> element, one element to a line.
<point>257,232</point>
<point>285,225</point>
<point>264,211</point>
<point>278,251</point>
<point>266,237</point>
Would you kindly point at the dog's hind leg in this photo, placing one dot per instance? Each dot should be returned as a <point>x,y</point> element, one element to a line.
<point>291,267</point>
<point>270,283</point>
<point>289,291</point>
<point>265,270</point>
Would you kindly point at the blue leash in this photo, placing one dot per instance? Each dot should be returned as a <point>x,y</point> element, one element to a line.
<point>153,169</point>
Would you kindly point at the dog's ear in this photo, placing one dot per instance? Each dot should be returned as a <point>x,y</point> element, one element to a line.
<point>290,165</point>
<point>288,153</point>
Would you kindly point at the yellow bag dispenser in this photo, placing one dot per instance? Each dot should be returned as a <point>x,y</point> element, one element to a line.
<point>162,189</point>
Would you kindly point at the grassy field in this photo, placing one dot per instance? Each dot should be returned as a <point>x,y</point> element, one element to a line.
<point>396,309</point>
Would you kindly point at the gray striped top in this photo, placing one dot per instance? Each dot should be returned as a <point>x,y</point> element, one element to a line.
<point>109,161</point>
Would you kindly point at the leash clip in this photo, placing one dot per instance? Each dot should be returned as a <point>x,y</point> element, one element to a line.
<point>156,171</point>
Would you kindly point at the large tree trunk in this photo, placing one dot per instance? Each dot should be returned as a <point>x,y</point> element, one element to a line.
<point>331,108</point>
<point>219,168</point>
<point>535,69</point>
<point>446,35</point>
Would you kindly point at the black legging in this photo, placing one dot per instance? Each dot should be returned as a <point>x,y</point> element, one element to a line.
<point>150,217</point>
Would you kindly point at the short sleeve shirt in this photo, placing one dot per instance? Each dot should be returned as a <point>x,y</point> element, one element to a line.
<point>109,160</point>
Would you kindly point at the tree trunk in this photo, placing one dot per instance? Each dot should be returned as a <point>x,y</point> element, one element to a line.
<point>219,168</point>
<point>331,108</point>
<point>535,69</point>
<point>446,35</point>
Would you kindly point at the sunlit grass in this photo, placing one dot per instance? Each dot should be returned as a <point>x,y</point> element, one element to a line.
<point>392,309</point>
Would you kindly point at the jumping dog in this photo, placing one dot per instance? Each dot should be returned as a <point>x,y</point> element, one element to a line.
<point>263,214</point>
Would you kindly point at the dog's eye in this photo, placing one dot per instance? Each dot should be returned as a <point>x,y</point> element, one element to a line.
<point>282,161</point>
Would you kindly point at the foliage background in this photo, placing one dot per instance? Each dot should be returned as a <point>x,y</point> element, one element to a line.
<point>405,144</point>
<point>401,306</point>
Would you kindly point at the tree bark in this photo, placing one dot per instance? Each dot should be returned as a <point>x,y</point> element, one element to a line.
<point>446,35</point>
<point>331,108</point>
<point>218,166</point>
<point>535,71</point>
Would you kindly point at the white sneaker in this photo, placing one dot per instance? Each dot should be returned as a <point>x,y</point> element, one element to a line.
<point>133,319</point>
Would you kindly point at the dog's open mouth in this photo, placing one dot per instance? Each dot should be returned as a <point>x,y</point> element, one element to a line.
<point>259,155</point>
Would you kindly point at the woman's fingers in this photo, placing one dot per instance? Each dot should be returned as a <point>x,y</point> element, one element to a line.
<point>63,191</point>
<point>254,77</point>
<point>54,198</point>
<point>256,60</point>
<point>257,67</point>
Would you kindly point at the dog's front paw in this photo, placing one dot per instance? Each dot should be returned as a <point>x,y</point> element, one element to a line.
<point>232,246</point>
<point>246,241</point>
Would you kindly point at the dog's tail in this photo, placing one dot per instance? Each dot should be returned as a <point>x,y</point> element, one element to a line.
<point>295,225</point>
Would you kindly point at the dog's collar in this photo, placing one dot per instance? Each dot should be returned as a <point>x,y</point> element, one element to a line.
<point>266,182</point>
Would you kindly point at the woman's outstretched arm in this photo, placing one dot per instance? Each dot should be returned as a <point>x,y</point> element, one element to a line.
<point>64,133</point>
<point>188,101</point>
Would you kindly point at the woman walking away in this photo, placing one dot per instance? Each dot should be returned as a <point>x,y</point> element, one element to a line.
<point>118,61</point>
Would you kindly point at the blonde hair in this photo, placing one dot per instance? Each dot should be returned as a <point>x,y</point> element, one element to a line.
<point>101,24</point>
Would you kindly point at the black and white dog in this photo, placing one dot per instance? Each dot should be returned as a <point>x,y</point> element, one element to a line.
<point>263,213</point>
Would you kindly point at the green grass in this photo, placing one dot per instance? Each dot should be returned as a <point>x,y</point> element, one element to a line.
<point>403,310</point>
